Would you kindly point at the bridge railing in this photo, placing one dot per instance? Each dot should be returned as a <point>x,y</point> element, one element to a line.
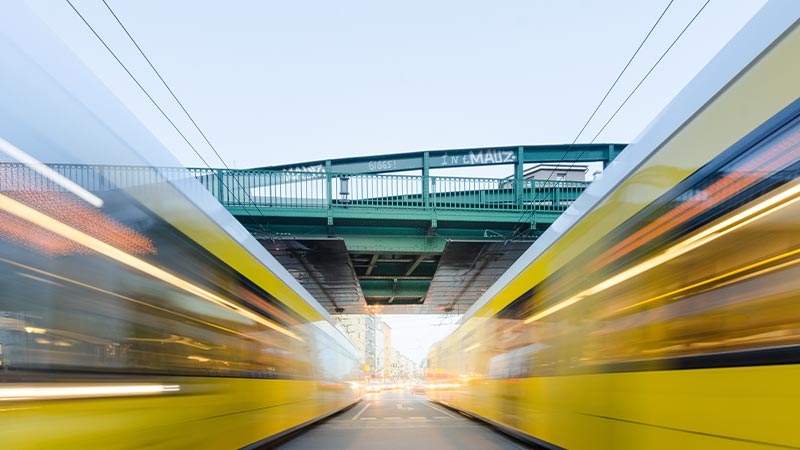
<point>283,189</point>
<point>93,178</point>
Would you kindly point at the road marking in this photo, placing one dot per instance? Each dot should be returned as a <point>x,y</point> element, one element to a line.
<point>362,411</point>
<point>419,418</point>
<point>392,418</point>
<point>441,411</point>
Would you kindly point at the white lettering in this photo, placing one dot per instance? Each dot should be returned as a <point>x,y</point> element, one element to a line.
<point>382,165</point>
<point>319,168</point>
<point>491,156</point>
<point>300,172</point>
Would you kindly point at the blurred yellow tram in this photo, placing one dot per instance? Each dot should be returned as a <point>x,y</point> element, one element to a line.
<point>661,311</point>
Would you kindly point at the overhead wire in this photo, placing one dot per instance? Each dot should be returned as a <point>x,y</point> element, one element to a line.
<point>161,110</point>
<point>612,87</point>
<point>622,72</point>
<point>150,63</point>
<point>650,71</point>
<point>175,97</point>
<point>251,200</point>
<point>597,108</point>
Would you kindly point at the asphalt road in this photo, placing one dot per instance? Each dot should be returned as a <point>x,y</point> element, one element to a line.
<point>394,420</point>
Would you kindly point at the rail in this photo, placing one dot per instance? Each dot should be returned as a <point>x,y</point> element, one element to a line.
<point>283,189</point>
<point>324,191</point>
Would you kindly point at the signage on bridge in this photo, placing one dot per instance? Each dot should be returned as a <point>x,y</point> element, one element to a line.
<point>479,157</point>
<point>438,159</point>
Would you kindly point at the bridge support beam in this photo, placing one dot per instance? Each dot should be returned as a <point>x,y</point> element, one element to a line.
<point>395,244</point>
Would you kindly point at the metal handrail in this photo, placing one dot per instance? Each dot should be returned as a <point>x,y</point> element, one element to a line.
<point>320,190</point>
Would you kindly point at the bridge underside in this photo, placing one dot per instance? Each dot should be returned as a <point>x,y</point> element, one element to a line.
<point>391,243</point>
<point>385,243</point>
<point>395,283</point>
<point>394,266</point>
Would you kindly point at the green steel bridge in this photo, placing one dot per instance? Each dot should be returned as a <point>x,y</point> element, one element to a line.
<point>369,235</point>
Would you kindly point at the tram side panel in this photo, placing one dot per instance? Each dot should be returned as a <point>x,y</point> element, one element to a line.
<point>677,326</point>
<point>133,312</point>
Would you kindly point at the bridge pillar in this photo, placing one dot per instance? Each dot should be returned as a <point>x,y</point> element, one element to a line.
<point>329,191</point>
<point>518,177</point>
<point>426,176</point>
<point>612,154</point>
<point>220,186</point>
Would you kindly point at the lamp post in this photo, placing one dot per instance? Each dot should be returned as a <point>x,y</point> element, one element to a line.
<point>344,189</point>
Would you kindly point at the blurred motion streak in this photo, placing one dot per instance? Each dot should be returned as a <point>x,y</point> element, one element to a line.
<point>116,295</point>
<point>122,281</point>
<point>781,154</point>
<point>52,225</point>
<point>661,312</point>
<point>39,392</point>
<point>49,173</point>
<point>758,211</point>
<point>16,182</point>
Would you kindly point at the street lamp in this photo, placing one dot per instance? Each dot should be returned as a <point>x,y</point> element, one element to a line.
<point>344,188</point>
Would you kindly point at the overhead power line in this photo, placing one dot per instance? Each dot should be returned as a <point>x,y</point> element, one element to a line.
<point>165,84</point>
<point>622,72</point>
<point>163,113</point>
<point>608,92</point>
<point>137,82</point>
<point>650,71</point>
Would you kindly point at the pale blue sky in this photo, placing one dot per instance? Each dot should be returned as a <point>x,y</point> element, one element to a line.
<point>274,82</point>
<point>413,335</point>
<point>282,82</point>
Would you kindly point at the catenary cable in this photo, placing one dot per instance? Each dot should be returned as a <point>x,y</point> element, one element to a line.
<point>649,72</point>
<point>632,92</point>
<point>163,113</point>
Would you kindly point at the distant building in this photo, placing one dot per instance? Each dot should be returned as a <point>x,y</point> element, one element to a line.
<point>403,368</point>
<point>386,365</point>
<point>550,172</point>
<point>556,172</point>
<point>373,340</point>
<point>360,328</point>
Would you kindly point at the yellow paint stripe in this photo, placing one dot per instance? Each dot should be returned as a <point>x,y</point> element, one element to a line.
<point>165,201</point>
